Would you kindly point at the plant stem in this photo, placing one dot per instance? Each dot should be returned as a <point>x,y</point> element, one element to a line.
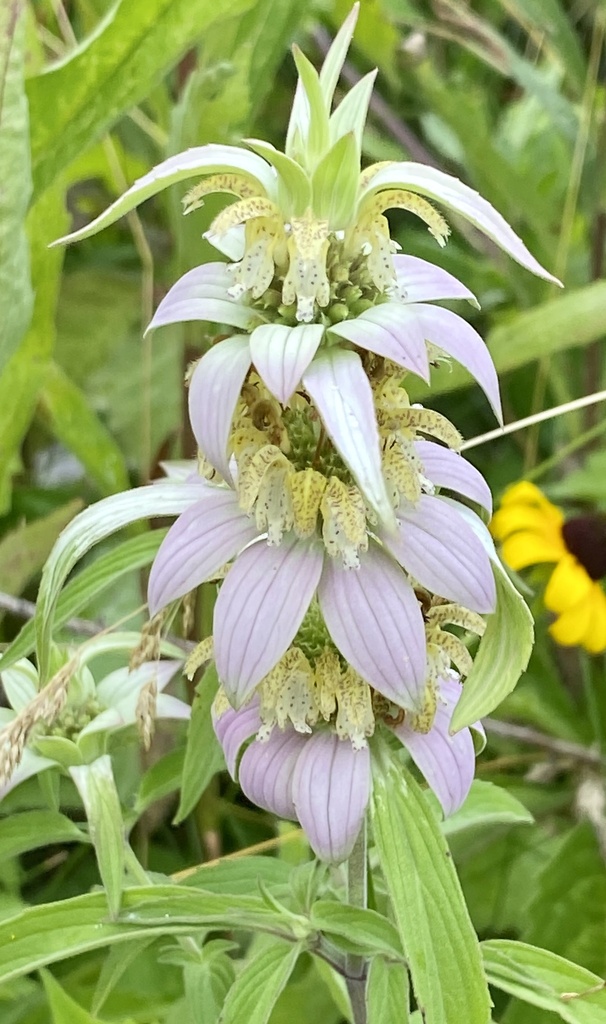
<point>357,896</point>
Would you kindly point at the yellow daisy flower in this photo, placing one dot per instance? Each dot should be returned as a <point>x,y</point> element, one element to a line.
<point>532,530</point>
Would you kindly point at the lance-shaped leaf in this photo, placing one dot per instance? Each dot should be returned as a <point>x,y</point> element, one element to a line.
<point>374,619</point>
<point>502,656</point>
<point>282,354</point>
<point>350,115</point>
<point>255,991</point>
<point>97,787</point>
<point>451,192</point>
<point>15,287</point>
<point>259,609</point>
<point>200,295</point>
<point>335,58</point>
<point>214,390</point>
<point>439,942</point>
<point>294,187</point>
<point>316,135</point>
<point>340,390</point>
<point>88,528</point>
<point>387,992</point>
<point>210,159</point>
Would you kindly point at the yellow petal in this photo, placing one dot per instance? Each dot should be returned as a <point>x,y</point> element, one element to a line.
<point>526,493</point>
<point>569,584</point>
<point>570,627</point>
<point>522,517</point>
<point>527,548</point>
<point>594,640</point>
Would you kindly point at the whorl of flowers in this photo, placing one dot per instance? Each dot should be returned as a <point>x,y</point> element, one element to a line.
<point>334,502</point>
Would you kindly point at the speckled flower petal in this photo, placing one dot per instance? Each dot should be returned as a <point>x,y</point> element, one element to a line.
<point>259,609</point>
<point>458,339</point>
<point>446,189</point>
<point>447,762</point>
<point>387,331</point>
<point>421,281</point>
<point>340,390</point>
<point>201,294</point>
<point>266,772</point>
<point>446,468</point>
<point>203,539</point>
<point>374,619</point>
<point>281,355</point>
<point>213,393</point>
<point>233,728</point>
<point>331,788</point>
<point>437,547</point>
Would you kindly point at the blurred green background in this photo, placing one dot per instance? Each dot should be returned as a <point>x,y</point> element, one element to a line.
<point>508,95</point>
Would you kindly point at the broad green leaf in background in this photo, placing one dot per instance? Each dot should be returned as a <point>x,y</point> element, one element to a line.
<point>502,655</point>
<point>15,286</point>
<point>33,829</point>
<point>67,411</point>
<point>129,556</point>
<point>97,787</point>
<point>387,995</point>
<point>160,780</point>
<point>203,756</point>
<point>486,804</point>
<point>64,1009</point>
<point>24,550</point>
<point>241,876</point>
<point>440,945</point>
<point>260,982</point>
<point>24,373</point>
<point>79,99</point>
<point>543,979</point>
<point>568,911</point>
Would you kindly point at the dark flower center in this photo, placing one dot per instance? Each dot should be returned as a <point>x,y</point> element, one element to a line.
<point>585,538</point>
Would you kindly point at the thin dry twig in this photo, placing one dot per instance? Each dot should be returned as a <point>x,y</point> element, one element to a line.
<point>532,737</point>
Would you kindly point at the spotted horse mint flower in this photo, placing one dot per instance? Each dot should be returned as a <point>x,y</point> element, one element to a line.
<point>314,269</point>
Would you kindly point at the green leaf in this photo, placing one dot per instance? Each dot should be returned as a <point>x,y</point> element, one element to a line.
<point>335,58</point>
<point>387,995</point>
<point>439,942</point>
<point>254,993</point>
<point>87,529</point>
<point>77,101</point>
<point>97,787</point>
<point>24,550</point>
<point>23,375</point>
<point>567,912</point>
<point>159,781</point>
<point>313,125</point>
<point>366,931</point>
<point>64,1009</point>
<point>241,876</point>
<point>16,297</point>
<point>295,188</point>
<point>545,980</point>
<point>203,755</point>
<point>134,553</point>
<point>350,115</point>
<point>67,411</point>
<point>32,829</point>
<point>502,656</point>
<point>486,804</point>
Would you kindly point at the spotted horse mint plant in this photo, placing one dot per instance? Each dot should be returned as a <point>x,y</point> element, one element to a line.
<point>334,513</point>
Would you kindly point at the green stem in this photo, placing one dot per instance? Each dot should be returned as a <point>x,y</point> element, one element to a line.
<point>357,894</point>
<point>592,702</point>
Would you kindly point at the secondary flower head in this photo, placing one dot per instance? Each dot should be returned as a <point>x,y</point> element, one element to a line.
<point>532,531</point>
<point>66,725</point>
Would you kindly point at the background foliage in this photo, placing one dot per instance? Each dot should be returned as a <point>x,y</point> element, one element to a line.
<point>509,95</point>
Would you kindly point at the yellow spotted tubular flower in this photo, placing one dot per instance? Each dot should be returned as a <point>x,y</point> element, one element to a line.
<point>532,531</point>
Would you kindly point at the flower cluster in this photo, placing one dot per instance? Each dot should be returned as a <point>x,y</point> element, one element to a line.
<point>533,531</point>
<point>333,511</point>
